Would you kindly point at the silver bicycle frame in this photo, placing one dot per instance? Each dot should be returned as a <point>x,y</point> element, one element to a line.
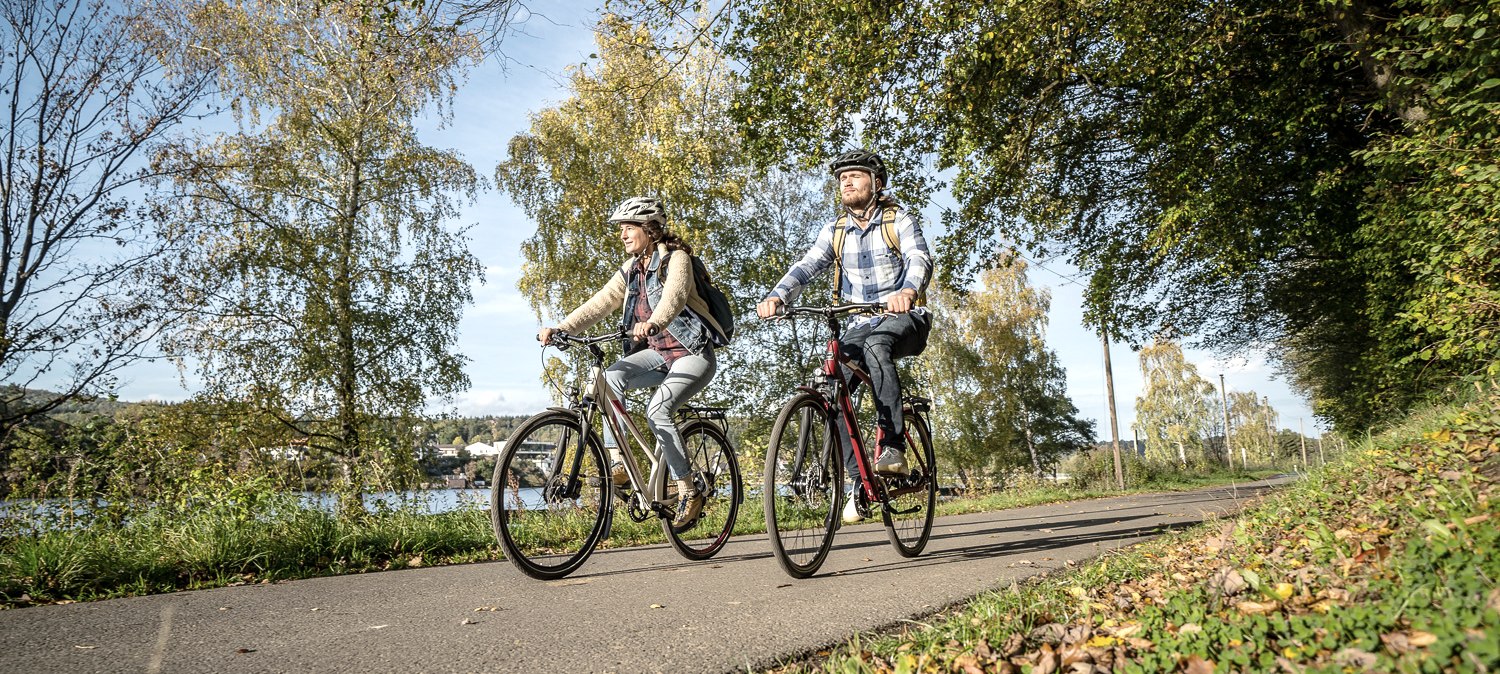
<point>615,417</point>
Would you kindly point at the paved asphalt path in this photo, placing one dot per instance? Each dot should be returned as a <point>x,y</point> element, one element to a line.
<point>629,610</point>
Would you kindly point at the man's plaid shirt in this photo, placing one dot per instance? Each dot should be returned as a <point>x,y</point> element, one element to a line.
<point>872,271</point>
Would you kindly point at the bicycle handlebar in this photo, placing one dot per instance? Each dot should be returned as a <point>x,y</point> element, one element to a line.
<point>563,340</point>
<point>784,311</point>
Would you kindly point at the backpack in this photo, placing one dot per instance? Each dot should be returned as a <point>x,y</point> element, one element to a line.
<point>719,307</point>
<point>887,231</point>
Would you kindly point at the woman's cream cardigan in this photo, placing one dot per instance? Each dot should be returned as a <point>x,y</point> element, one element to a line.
<point>680,291</point>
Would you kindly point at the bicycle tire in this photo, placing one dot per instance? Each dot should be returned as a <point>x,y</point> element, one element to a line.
<point>911,500</point>
<point>716,472</point>
<point>549,527</point>
<point>803,488</point>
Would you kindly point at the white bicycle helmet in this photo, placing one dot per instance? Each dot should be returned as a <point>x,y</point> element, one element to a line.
<point>640,209</point>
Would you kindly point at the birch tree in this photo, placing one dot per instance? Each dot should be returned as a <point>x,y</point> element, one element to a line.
<point>1175,413</point>
<point>327,283</point>
<point>997,382</point>
<point>1254,423</point>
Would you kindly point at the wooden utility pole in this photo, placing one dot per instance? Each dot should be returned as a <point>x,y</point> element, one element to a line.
<point>1224,402</point>
<point>1114,420</point>
<point>1265,402</point>
<point>1302,438</point>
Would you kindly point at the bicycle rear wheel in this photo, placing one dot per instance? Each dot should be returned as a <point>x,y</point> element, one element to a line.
<point>804,473</point>
<point>716,473</point>
<point>910,500</point>
<point>548,502</point>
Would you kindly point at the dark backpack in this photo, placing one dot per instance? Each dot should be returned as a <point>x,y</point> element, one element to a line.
<point>719,307</point>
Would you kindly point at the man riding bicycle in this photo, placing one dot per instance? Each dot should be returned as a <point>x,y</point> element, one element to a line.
<point>879,255</point>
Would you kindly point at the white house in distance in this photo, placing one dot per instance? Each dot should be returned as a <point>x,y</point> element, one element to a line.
<point>483,449</point>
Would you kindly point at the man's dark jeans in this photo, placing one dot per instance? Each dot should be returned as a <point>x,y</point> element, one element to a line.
<point>877,347</point>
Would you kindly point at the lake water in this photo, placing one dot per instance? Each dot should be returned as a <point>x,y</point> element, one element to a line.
<point>429,501</point>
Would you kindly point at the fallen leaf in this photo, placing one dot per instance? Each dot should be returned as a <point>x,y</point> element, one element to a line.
<point>242,651</point>
<point>1190,628</point>
<point>657,606</point>
<point>1421,639</point>
<point>1257,608</point>
<point>1375,554</point>
<point>415,561</point>
<point>466,621</point>
<point>1196,665</point>
<point>1282,591</point>
<point>1356,658</point>
<point>1046,662</point>
<point>968,664</point>
<point>1050,633</point>
<point>1396,643</point>
<point>1227,582</point>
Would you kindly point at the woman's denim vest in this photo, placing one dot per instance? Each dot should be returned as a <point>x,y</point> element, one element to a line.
<point>686,327</point>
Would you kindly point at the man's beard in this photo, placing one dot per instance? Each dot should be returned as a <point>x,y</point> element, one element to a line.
<point>858,199</point>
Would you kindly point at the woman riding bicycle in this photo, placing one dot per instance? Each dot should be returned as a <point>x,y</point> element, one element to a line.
<point>673,335</point>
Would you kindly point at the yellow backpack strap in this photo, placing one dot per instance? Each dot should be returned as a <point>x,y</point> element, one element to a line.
<point>893,239</point>
<point>888,229</point>
<point>840,230</point>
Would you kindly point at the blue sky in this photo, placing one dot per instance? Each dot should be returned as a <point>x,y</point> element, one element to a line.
<point>497,333</point>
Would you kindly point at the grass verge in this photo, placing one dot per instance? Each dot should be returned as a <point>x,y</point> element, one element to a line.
<point>222,545</point>
<point>1385,561</point>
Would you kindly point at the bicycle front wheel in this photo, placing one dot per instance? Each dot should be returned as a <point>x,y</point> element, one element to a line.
<point>802,485</point>
<point>911,500</point>
<point>548,500</point>
<point>716,474</point>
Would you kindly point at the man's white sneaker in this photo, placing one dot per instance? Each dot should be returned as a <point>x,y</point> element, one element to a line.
<point>892,461</point>
<point>851,508</point>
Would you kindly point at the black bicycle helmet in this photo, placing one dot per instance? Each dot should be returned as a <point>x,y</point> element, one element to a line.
<point>860,159</point>
<point>641,210</point>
